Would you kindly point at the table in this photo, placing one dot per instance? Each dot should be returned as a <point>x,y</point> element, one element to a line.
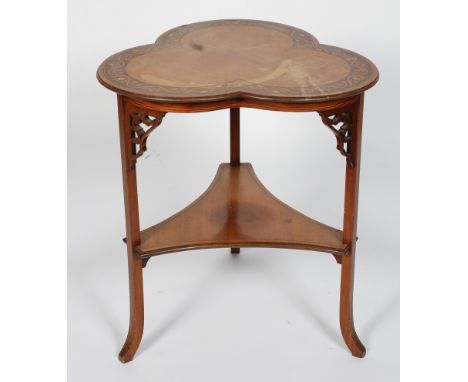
<point>231,64</point>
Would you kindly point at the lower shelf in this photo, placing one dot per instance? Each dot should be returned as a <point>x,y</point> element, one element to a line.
<point>238,211</point>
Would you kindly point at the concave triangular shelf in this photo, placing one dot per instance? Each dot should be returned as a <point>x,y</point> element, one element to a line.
<point>238,211</point>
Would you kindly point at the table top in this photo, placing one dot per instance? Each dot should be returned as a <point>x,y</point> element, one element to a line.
<point>227,59</point>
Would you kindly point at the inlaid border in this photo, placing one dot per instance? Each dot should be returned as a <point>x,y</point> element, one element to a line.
<point>113,75</point>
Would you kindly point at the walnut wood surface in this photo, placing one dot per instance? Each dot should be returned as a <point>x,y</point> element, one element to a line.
<point>132,223</point>
<point>226,59</point>
<point>235,64</point>
<point>353,165</point>
<point>197,107</point>
<point>238,211</point>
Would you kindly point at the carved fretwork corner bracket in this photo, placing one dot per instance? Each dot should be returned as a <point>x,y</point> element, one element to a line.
<point>141,126</point>
<point>341,124</point>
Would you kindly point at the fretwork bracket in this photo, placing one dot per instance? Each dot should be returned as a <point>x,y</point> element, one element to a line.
<point>141,126</point>
<point>341,124</point>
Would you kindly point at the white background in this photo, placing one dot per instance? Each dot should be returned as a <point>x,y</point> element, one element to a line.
<point>433,193</point>
<point>270,314</point>
<point>33,198</point>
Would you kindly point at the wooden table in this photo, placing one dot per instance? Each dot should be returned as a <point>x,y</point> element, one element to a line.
<point>233,64</point>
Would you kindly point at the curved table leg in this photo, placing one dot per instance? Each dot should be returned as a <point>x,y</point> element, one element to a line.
<point>135,330</point>
<point>353,149</point>
<point>132,145</point>
<point>346,124</point>
<point>346,308</point>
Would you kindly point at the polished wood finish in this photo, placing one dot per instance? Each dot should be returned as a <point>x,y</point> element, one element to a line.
<point>127,149</point>
<point>349,232</point>
<point>197,107</point>
<point>297,75</point>
<point>228,59</point>
<point>238,211</point>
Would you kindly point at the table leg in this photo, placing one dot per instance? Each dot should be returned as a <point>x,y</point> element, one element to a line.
<point>349,233</point>
<point>235,147</point>
<point>127,148</point>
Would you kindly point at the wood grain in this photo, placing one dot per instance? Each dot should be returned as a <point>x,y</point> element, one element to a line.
<point>132,220</point>
<point>349,233</point>
<point>238,211</point>
<point>228,59</point>
<point>233,64</point>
